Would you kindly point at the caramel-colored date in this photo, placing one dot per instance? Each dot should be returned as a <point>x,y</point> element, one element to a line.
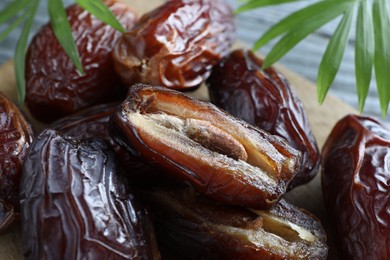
<point>74,205</point>
<point>16,136</point>
<point>195,141</point>
<point>199,228</point>
<point>176,44</point>
<point>356,187</point>
<point>92,123</point>
<point>265,99</point>
<point>54,88</point>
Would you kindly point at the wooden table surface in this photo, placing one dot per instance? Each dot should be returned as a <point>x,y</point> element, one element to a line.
<point>303,60</point>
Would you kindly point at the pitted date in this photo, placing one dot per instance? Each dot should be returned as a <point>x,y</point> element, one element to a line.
<point>74,205</point>
<point>93,123</point>
<point>265,99</point>
<point>356,186</point>
<point>16,135</point>
<point>195,141</point>
<point>53,85</point>
<point>176,45</point>
<point>199,228</point>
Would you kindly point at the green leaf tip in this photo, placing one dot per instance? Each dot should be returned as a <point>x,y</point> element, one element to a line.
<point>63,32</point>
<point>381,19</point>
<point>333,56</point>
<point>102,12</point>
<point>364,52</point>
<point>20,52</point>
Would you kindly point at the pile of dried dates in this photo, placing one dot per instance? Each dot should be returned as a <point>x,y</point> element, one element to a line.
<point>133,167</point>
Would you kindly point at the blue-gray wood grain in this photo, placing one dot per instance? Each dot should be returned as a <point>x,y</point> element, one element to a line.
<point>303,59</point>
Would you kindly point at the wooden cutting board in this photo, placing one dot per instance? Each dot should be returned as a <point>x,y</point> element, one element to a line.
<point>322,119</point>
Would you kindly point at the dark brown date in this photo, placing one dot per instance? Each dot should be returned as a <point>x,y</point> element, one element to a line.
<point>195,141</point>
<point>93,123</point>
<point>16,136</point>
<point>176,45</point>
<point>195,227</point>
<point>265,99</point>
<point>74,205</point>
<point>356,186</point>
<point>53,85</point>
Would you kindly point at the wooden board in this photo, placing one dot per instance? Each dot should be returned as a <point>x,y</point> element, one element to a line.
<point>322,119</point>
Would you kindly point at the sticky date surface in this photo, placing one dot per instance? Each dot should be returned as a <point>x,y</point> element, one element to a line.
<point>75,206</point>
<point>264,98</point>
<point>93,123</point>
<point>356,190</point>
<point>16,136</point>
<point>195,141</point>
<point>54,88</point>
<point>197,228</point>
<point>176,45</point>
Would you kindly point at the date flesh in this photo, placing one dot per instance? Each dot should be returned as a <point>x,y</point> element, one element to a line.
<point>265,99</point>
<point>92,123</point>
<point>195,227</point>
<point>16,135</point>
<point>176,45</point>
<point>223,157</point>
<point>74,205</point>
<point>54,88</point>
<point>356,186</point>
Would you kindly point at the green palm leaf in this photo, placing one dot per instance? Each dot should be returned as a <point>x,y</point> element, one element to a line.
<point>314,17</point>
<point>63,31</point>
<point>20,51</point>
<point>381,16</point>
<point>318,13</point>
<point>13,9</point>
<point>372,45</point>
<point>364,51</point>
<point>12,27</point>
<point>333,55</point>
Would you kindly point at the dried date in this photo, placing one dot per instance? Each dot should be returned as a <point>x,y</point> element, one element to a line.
<point>54,87</point>
<point>176,44</point>
<point>356,186</point>
<point>195,141</point>
<point>265,99</point>
<point>199,228</point>
<point>16,135</point>
<point>93,123</point>
<point>74,205</point>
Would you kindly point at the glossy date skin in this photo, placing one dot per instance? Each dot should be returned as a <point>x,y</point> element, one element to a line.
<point>92,123</point>
<point>194,141</point>
<point>355,185</point>
<point>195,227</point>
<point>176,45</point>
<point>74,205</point>
<point>54,88</point>
<point>16,135</point>
<point>265,99</point>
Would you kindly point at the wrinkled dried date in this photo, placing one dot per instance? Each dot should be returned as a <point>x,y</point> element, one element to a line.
<point>93,123</point>
<point>16,136</point>
<point>195,141</point>
<point>54,87</point>
<point>197,228</point>
<point>75,206</point>
<point>356,186</point>
<point>176,45</point>
<point>265,99</point>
